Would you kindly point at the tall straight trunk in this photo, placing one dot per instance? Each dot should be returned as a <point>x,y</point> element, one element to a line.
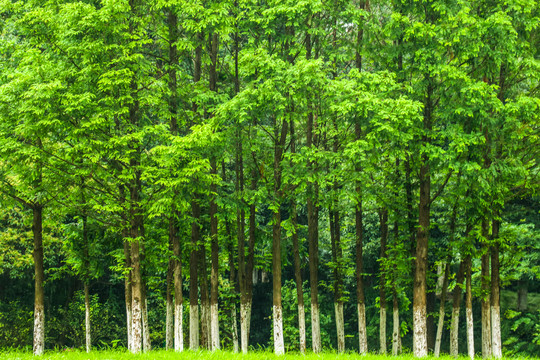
<point>251,256</point>
<point>298,265</point>
<point>195,236</point>
<point>522,295</point>
<point>299,291</point>
<point>279,145</point>
<point>87,317</point>
<point>468,309</point>
<point>338,281</point>
<point>177,279</point>
<point>86,280</point>
<point>169,305</point>
<point>174,327</point>
<point>128,291</point>
<point>214,312</point>
<point>39,275</point>
<point>193,277</point>
<point>420,346</point>
<point>396,335</point>
<point>136,290</point>
<point>383,218</point>
<point>440,325</point>
<point>360,297</point>
<point>396,339</point>
<point>495,293</point>
<point>147,345</point>
<point>232,281</point>
<point>456,301</point>
<point>486,316</point>
<point>313,228</point>
<point>205,300</point>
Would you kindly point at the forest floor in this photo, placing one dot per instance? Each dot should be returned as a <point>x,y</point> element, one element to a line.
<point>192,355</point>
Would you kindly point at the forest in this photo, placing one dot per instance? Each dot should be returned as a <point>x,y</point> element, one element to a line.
<point>292,175</point>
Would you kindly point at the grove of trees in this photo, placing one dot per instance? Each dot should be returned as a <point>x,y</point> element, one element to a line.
<point>188,159</point>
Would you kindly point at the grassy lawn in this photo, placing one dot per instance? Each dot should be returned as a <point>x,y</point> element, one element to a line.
<point>191,355</point>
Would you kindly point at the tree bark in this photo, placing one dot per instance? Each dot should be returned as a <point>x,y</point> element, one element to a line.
<point>456,300</point>
<point>169,306</point>
<point>420,346</point>
<point>495,293</point>
<point>128,291</point>
<point>440,325</point>
<point>214,313</point>
<point>313,228</point>
<point>177,281</point>
<point>193,277</point>
<point>383,219</point>
<point>522,295</point>
<point>280,138</point>
<point>396,339</point>
<point>298,265</point>
<point>469,313</point>
<point>39,275</point>
<point>335,235</point>
<point>486,315</point>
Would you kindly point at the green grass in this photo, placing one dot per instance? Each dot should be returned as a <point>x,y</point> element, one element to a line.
<point>192,355</point>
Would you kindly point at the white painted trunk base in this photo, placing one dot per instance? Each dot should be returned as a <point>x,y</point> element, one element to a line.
<point>362,335</point>
<point>194,327</point>
<point>214,327</point>
<point>419,332</point>
<point>147,346</point>
<point>382,331</point>
<point>205,326</point>
<point>486,331</point>
<point>454,332</point>
<point>340,326</point>
<point>279,344</point>
<point>129,319</point>
<point>169,326</point>
<point>302,328</point>
<point>395,333</point>
<point>470,333</point>
<point>315,329</point>
<point>136,324</point>
<point>87,327</point>
<point>496,331</point>
<point>178,333</point>
<point>234,329</point>
<point>438,338</point>
<point>39,331</point>
<point>245,317</point>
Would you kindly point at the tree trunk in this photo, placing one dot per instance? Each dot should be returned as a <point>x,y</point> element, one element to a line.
<point>441,310</point>
<point>214,284</point>
<point>420,346</point>
<point>486,315</point>
<point>383,218</point>
<point>128,292</point>
<point>522,295</point>
<point>147,345</point>
<point>335,235</point>
<point>39,275</point>
<point>360,298</point>
<point>87,317</point>
<point>136,291</point>
<point>396,341</point>
<point>298,265</point>
<point>232,281</point>
<point>469,314</point>
<point>313,229</point>
<point>193,277</point>
<point>279,345</point>
<point>169,306</point>
<point>495,293</point>
<point>456,300</point>
<point>205,300</point>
